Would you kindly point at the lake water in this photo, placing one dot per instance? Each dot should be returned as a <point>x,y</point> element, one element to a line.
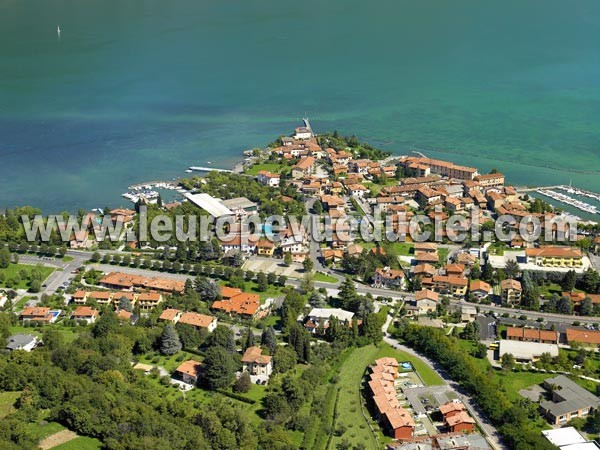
<point>138,91</point>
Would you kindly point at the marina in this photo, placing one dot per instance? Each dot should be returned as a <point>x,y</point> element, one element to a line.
<point>566,199</point>
<point>149,190</point>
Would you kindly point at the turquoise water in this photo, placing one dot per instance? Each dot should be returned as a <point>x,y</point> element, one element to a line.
<point>137,91</point>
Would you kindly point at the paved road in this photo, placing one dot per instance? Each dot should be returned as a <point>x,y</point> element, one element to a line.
<point>79,257</point>
<point>58,277</point>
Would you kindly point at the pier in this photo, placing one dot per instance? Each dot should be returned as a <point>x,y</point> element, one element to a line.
<point>208,169</point>
<point>550,192</point>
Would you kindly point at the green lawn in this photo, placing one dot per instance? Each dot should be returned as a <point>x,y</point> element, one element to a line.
<point>428,375</point>
<point>42,430</point>
<point>546,290</point>
<point>13,271</point>
<point>270,167</point>
<point>348,408</point>
<point>21,303</point>
<point>401,248</point>
<point>80,443</point>
<point>252,286</point>
<point>7,401</point>
<point>324,278</point>
<point>443,254</point>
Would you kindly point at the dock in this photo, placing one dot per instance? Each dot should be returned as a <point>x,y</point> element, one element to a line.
<point>208,169</point>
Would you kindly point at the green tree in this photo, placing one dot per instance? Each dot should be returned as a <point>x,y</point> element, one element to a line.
<point>261,281</point>
<point>248,339</point>
<point>507,361</point>
<point>349,298</point>
<point>512,268</point>
<point>268,339</point>
<point>308,264</point>
<point>219,368</point>
<point>169,341</point>
<point>125,304</point>
<point>222,337</point>
<point>284,359</point>
<point>4,257</point>
<point>565,306</point>
<point>587,307</point>
<point>287,259</point>
<point>243,383</point>
<point>95,257</point>
<point>568,281</point>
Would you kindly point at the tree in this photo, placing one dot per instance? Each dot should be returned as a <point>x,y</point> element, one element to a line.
<point>261,281</point>
<point>316,300</point>
<point>512,268</point>
<point>281,280</point>
<point>587,307</point>
<point>222,337</point>
<point>565,306</point>
<point>287,259</point>
<point>125,304</point>
<point>248,339</point>
<point>219,368</point>
<point>268,339</point>
<point>4,257</point>
<point>348,296</point>
<point>487,271</point>
<point>308,264</point>
<point>188,335</point>
<point>471,331</point>
<point>508,361</point>
<point>590,282</point>
<point>243,383</point>
<point>209,290</point>
<point>169,341</point>
<point>284,359</point>
<point>95,257</point>
<point>568,281</point>
<point>35,286</point>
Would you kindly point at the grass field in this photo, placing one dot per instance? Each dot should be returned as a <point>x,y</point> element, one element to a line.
<point>7,401</point>
<point>324,278</point>
<point>69,334</point>
<point>13,271</point>
<point>252,287</point>
<point>428,375</point>
<point>42,430</point>
<point>348,410</point>
<point>270,167</point>
<point>80,443</point>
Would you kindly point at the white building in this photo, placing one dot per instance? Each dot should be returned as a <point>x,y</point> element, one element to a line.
<point>319,317</point>
<point>26,342</point>
<point>527,351</point>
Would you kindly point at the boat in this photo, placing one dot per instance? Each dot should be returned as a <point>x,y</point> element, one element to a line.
<point>188,171</point>
<point>58,30</point>
<point>208,162</point>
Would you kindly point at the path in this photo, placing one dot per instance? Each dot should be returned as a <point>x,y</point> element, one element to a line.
<point>57,439</point>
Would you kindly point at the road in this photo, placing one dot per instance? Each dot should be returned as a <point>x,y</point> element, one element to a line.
<point>58,277</point>
<point>79,257</point>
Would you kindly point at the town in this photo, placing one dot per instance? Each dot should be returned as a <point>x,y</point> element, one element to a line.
<point>292,343</point>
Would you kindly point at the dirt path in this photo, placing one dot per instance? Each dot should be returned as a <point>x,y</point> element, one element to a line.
<point>56,439</point>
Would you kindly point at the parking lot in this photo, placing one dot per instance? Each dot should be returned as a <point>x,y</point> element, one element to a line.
<point>277,266</point>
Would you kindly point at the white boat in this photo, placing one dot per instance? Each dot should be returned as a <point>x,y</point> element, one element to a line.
<point>208,162</point>
<point>58,30</point>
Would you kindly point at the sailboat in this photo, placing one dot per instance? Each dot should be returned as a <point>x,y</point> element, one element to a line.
<point>58,30</point>
<point>570,190</point>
